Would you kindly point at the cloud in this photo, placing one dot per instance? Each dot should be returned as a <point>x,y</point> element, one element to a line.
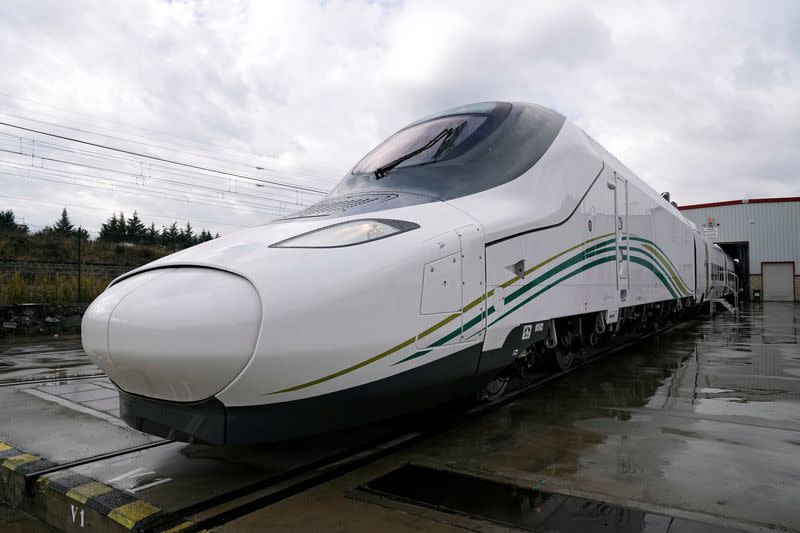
<point>698,99</point>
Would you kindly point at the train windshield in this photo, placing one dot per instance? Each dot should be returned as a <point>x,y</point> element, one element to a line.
<point>436,138</point>
<point>455,153</point>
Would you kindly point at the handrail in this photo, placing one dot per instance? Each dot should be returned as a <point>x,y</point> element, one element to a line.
<point>734,288</point>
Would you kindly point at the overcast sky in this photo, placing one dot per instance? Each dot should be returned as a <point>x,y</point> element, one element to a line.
<point>699,98</point>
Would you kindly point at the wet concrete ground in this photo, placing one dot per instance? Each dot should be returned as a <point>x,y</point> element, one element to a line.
<point>701,423</point>
<point>46,358</point>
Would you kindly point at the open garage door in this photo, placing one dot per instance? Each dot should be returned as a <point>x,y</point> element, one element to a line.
<point>778,280</point>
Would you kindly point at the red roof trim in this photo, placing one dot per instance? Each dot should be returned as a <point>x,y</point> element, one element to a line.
<point>737,202</point>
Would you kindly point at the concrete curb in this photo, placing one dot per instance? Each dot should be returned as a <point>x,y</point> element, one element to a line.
<point>71,502</point>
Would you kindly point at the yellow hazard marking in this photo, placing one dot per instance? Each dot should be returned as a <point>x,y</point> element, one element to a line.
<point>81,493</point>
<point>132,512</point>
<point>180,527</point>
<point>14,461</point>
<point>4,446</point>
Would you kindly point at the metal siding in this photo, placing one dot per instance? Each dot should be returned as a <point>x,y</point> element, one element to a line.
<point>778,283</point>
<point>774,235</point>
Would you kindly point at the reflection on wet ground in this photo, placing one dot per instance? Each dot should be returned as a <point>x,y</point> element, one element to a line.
<point>511,505</point>
<point>701,423</point>
<point>704,418</point>
<point>45,360</point>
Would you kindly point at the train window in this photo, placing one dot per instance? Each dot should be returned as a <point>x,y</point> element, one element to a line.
<point>455,153</point>
<point>461,151</point>
<point>436,140</point>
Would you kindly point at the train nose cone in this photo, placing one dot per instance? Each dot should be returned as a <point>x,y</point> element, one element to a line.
<point>180,334</point>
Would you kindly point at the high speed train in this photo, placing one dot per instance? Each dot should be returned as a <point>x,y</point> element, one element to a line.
<point>469,245</point>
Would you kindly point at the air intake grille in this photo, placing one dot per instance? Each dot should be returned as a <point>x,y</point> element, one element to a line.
<point>341,204</point>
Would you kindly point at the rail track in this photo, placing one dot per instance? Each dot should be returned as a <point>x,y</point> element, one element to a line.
<point>238,501</point>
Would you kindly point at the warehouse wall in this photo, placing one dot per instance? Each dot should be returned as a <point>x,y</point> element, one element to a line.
<point>772,229</point>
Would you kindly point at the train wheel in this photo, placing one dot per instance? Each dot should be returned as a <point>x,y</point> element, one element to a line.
<point>560,358</point>
<point>494,389</point>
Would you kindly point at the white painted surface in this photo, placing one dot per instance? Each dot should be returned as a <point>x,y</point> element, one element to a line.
<point>441,285</point>
<point>293,316</point>
<point>182,336</point>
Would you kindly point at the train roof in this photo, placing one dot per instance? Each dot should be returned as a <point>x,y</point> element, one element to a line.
<point>620,167</point>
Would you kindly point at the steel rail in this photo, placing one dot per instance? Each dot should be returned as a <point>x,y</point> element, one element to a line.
<point>49,380</point>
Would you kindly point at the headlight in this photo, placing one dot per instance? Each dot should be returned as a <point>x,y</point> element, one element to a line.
<point>348,233</point>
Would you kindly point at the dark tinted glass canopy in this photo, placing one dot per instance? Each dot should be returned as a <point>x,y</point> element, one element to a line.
<point>455,153</point>
<point>435,139</point>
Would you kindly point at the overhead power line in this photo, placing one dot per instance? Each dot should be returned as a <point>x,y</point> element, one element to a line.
<point>140,169</point>
<point>304,175</point>
<point>137,191</point>
<point>165,160</point>
<point>155,178</point>
<point>194,144</point>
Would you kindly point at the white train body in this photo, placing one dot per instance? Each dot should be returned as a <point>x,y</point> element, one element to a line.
<point>260,336</point>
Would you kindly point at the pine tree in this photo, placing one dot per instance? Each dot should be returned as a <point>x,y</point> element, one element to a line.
<point>187,236</point>
<point>64,226</point>
<point>8,223</point>
<point>122,230</point>
<point>152,234</point>
<point>81,233</point>
<point>170,236</point>
<point>135,229</point>
<point>108,230</point>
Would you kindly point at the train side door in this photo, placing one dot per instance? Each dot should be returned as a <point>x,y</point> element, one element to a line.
<point>622,244</point>
<point>453,304</point>
<point>441,292</point>
<point>473,283</point>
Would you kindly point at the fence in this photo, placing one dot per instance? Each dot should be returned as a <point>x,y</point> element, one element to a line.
<point>54,282</point>
<point>54,269</point>
<point>33,268</point>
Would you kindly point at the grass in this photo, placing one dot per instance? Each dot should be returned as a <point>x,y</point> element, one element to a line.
<point>51,289</point>
<point>50,248</point>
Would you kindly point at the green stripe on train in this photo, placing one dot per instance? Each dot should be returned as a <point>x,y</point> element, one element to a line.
<point>654,267</point>
<point>592,251</point>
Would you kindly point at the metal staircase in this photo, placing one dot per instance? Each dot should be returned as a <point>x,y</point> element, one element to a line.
<point>731,287</point>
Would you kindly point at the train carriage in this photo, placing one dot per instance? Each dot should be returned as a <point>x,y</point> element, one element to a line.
<point>468,245</point>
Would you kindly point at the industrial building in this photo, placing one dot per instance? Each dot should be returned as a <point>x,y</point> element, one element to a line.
<point>764,235</point>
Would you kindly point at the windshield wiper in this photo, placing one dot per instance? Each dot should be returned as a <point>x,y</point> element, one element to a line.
<point>448,142</point>
<point>380,172</point>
